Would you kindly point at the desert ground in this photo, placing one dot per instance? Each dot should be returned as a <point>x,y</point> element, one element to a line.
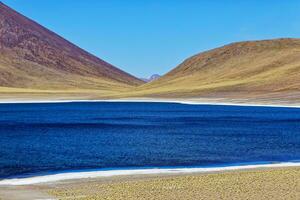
<point>279,183</point>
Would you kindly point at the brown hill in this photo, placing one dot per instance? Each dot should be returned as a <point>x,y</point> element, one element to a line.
<point>255,69</point>
<point>32,57</point>
<point>36,62</point>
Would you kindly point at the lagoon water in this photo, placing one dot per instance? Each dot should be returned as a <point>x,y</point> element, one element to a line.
<point>50,137</point>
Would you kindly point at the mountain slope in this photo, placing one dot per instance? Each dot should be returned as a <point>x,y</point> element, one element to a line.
<point>32,57</point>
<point>255,69</point>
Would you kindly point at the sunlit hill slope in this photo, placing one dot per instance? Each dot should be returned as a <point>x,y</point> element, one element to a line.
<point>33,58</point>
<point>37,63</point>
<point>254,69</point>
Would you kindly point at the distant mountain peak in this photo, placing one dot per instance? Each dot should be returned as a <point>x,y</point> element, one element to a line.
<point>151,78</point>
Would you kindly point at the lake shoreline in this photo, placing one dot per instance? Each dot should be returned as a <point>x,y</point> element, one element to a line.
<point>202,101</point>
<point>72,185</point>
<point>90,174</point>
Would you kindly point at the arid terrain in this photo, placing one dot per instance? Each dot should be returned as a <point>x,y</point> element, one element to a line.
<point>268,69</point>
<point>36,60</point>
<point>270,184</point>
<point>37,64</point>
<point>254,184</point>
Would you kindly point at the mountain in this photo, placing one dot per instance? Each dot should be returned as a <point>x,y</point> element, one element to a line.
<point>33,58</point>
<point>35,63</point>
<point>244,70</point>
<point>151,78</point>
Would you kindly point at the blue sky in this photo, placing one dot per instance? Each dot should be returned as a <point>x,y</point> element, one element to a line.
<point>144,37</point>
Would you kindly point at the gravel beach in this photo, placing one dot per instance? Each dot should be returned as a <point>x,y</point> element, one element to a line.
<point>281,183</point>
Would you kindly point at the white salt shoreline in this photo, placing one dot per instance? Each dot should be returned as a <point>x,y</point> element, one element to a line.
<point>189,102</point>
<point>127,172</point>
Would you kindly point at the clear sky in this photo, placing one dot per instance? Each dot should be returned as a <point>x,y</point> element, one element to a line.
<point>144,37</point>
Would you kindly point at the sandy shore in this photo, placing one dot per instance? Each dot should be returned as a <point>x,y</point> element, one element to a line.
<point>267,183</point>
<point>263,184</point>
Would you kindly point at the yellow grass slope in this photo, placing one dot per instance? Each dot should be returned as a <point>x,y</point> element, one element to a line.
<point>254,69</point>
<point>34,58</point>
<point>35,62</point>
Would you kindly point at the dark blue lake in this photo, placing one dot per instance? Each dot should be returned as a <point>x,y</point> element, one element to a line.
<point>37,138</point>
